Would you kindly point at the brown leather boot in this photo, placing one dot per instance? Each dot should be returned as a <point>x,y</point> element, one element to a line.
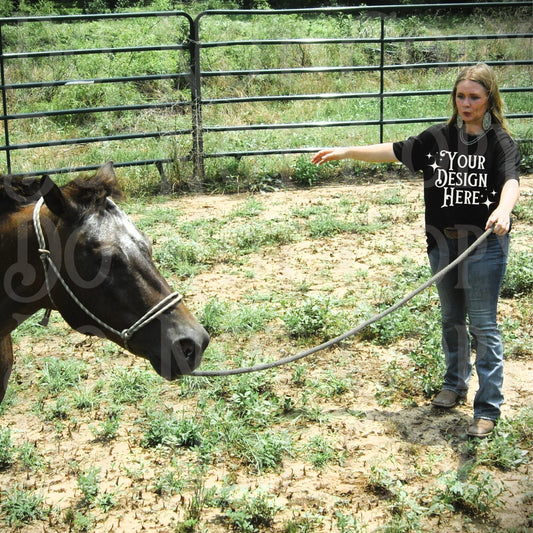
<point>481,428</point>
<point>446,399</point>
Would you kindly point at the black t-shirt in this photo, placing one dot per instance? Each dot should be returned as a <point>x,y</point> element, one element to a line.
<point>463,178</point>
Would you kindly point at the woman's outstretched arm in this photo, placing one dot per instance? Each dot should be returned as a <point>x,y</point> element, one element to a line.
<point>373,153</point>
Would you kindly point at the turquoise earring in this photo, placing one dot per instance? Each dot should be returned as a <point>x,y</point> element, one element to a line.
<point>459,121</point>
<point>487,120</point>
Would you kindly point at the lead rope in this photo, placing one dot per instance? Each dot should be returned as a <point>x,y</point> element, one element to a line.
<point>354,331</point>
<point>126,334</point>
<point>175,298</point>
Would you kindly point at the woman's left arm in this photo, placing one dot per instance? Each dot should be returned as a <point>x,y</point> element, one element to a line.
<point>500,218</point>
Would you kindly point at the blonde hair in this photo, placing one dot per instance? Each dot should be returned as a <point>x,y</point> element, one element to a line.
<point>484,75</point>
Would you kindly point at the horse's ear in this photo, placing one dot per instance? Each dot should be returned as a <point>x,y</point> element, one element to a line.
<point>106,176</point>
<point>54,199</point>
<point>106,173</point>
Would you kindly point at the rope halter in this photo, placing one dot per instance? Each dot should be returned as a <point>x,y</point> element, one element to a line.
<point>126,334</point>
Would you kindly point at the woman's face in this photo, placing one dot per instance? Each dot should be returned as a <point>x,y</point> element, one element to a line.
<point>472,101</point>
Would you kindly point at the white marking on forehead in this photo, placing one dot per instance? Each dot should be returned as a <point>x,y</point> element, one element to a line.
<point>116,227</point>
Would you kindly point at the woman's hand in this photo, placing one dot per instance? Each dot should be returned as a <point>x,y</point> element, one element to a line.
<point>329,154</point>
<point>500,218</point>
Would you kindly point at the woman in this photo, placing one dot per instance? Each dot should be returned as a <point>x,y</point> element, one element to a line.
<point>470,167</point>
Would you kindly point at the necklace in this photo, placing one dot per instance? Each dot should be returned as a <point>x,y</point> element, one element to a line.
<point>469,142</point>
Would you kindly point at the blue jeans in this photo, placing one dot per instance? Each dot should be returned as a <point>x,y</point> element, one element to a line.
<point>469,299</point>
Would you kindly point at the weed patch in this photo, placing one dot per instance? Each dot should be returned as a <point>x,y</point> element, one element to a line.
<point>6,448</point>
<point>518,278</point>
<point>21,507</point>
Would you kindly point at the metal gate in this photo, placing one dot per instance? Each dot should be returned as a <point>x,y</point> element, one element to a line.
<point>172,125</point>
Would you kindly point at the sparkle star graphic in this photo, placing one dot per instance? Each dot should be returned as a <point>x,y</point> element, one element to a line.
<point>487,202</point>
<point>434,166</point>
<point>429,156</point>
<point>493,193</point>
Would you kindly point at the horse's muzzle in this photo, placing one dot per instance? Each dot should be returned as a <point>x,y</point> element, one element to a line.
<point>191,351</point>
<point>184,356</point>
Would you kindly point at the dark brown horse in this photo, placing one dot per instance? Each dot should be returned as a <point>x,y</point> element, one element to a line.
<point>72,249</point>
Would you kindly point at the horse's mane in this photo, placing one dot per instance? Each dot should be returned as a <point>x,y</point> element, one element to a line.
<point>90,192</point>
<point>16,192</point>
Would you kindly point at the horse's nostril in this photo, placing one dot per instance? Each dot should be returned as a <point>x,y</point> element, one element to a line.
<point>188,350</point>
<point>187,354</point>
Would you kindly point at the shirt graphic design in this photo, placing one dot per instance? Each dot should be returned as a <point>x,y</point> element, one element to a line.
<point>461,178</point>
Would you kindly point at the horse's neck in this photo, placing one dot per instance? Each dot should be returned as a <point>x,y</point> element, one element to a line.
<point>17,237</point>
<point>21,271</point>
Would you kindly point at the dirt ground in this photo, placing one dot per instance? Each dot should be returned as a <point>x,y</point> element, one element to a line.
<point>414,442</point>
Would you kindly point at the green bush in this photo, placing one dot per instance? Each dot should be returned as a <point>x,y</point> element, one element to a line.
<point>260,451</point>
<point>477,495</point>
<point>305,173</point>
<point>508,447</point>
<point>180,256</point>
<point>212,316</point>
<point>251,513</point>
<point>165,430</point>
<point>88,483</point>
<point>524,209</point>
<point>7,8</point>
<point>519,275</point>
<point>132,385</point>
<point>220,317</point>
<point>58,375</point>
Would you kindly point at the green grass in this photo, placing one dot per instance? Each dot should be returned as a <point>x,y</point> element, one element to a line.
<point>21,506</point>
<point>477,495</point>
<point>238,319</point>
<point>168,483</point>
<point>508,449</point>
<point>165,430</point>
<point>518,279</point>
<point>88,484</point>
<point>311,320</point>
<point>58,374</point>
<point>251,513</point>
<point>132,385</point>
<point>6,448</point>
<point>108,429</point>
<point>30,458</point>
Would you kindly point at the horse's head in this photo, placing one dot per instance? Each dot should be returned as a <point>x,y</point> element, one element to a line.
<point>105,262</point>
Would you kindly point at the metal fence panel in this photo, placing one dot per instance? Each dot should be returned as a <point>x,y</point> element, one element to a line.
<point>187,64</point>
<point>115,68</point>
<point>383,65</point>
